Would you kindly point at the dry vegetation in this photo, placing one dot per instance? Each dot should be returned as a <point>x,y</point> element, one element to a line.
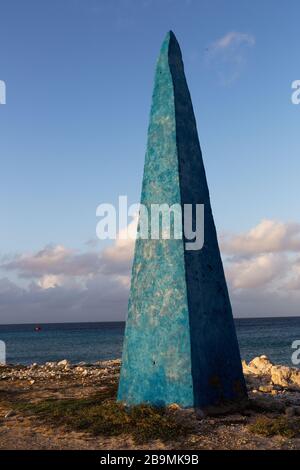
<point>74,407</point>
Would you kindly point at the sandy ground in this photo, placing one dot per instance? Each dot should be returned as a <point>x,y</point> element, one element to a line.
<point>19,431</point>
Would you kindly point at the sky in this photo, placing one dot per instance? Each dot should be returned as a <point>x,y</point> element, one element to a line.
<point>79,77</point>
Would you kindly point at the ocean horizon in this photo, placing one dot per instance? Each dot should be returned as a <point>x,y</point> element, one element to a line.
<point>98,341</point>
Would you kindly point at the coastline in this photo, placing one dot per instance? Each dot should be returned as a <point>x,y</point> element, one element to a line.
<point>92,342</point>
<point>35,404</point>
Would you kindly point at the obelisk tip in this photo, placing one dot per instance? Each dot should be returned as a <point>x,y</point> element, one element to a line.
<point>170,36</point>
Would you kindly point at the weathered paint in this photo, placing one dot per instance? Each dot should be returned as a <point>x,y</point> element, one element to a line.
<point>180,342</point>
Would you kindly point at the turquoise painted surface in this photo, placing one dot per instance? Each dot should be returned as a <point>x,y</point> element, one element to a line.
<point>157,352</point>
<point>180,340</point>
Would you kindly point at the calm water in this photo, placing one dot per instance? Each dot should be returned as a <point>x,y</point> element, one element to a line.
<point>91,342</point>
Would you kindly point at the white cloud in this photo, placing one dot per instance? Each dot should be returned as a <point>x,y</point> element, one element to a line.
<point>49,281</point>
<point>293,279</point>
<point>69,285</point>
<point>233,39</point>
<point>101,299</point>
<point>117,259</point>
<point>54,265</point>
<point>227,55</point>
<point>56,261</point>
<point>256,272</point>
<point>262,268</point>
<point>268,236</point>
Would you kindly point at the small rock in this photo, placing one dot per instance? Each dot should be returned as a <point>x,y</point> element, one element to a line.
<point>63,363</point>
<point>174,407</point>
<point>280,375</point>
<point>50,365</point>
<point>266,388</point>
<point>260,365</point>
<point>295,377</point>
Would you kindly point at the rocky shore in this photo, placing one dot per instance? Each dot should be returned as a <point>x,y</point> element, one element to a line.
<point>277,387</point>
<point>62,370</point>
<point>35,404</point>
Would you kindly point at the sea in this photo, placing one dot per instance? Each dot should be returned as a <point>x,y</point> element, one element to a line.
<point>91,342</point>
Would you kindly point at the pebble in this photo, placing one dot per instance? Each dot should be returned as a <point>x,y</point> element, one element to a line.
<point>63,363</point>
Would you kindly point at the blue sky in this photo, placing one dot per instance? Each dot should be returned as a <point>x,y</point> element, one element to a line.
<point>79,77</point>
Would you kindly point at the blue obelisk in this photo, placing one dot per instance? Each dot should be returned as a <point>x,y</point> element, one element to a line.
<point>180,342</point>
